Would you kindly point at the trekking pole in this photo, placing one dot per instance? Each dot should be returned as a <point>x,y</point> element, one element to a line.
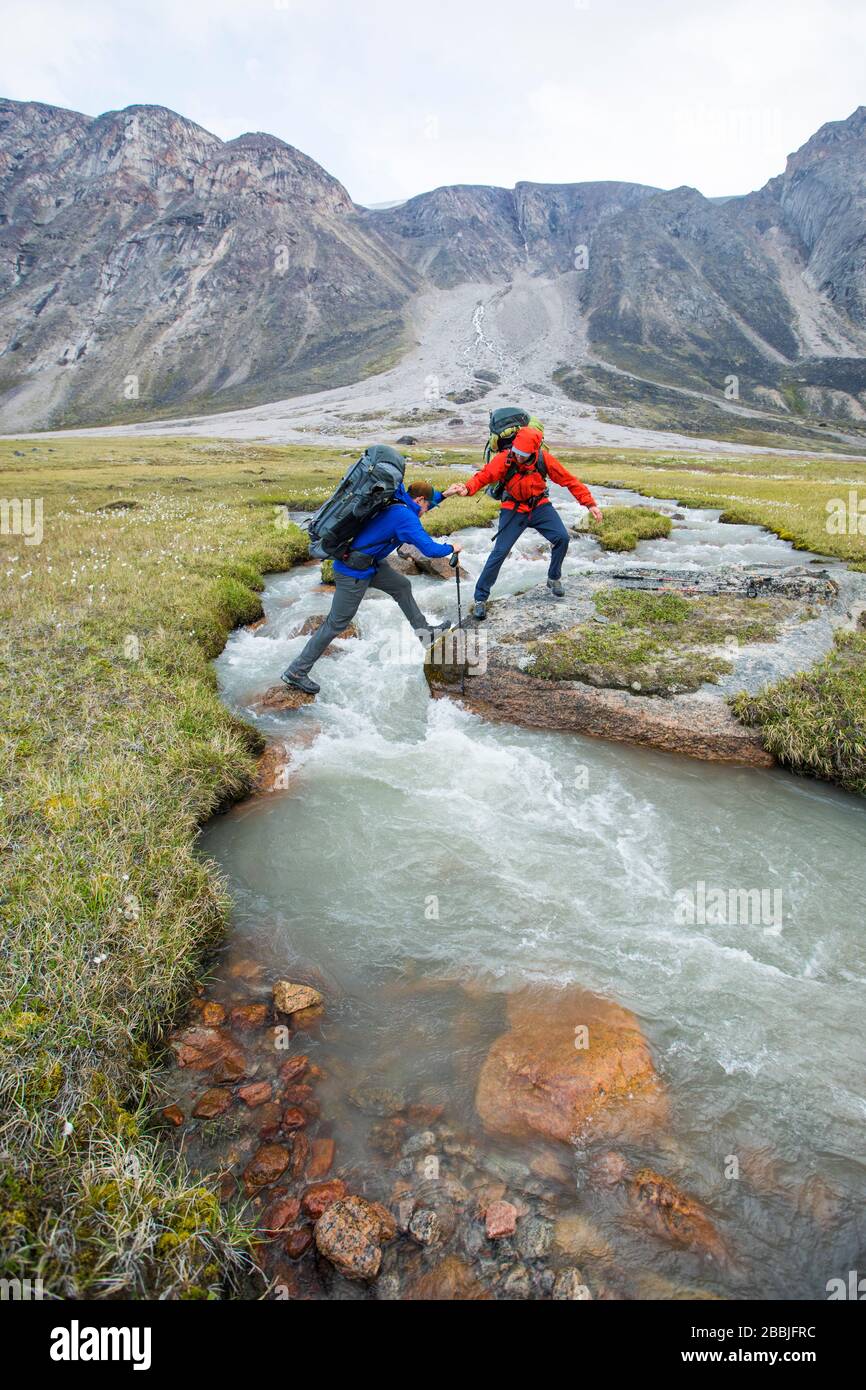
<point>454,562</point>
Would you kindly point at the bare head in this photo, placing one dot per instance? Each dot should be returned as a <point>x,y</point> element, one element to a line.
<point>422,495</point>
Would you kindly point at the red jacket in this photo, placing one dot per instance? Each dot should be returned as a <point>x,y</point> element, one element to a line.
<point>528,482</point>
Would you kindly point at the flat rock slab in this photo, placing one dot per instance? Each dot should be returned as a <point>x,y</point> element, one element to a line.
<point>499,686</point>
<point>282,697</point>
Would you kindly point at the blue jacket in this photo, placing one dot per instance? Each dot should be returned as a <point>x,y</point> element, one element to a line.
<point>399,524</point>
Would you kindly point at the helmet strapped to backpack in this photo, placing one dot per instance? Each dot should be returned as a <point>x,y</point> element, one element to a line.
<point>504,424</point>
<point>367,489</point>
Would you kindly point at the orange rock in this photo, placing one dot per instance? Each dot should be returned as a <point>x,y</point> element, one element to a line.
<point>673,1215</point>
<point>281,697</point>
<point>387,1224</point>
<point>294,1118</point>
<point>266,1166</point>
<point>294,1068</point>
<point>300,1152</point>
<point>255,1094</point>
<point>319,1196</point>
<point>500,1220</point>
<point>321,1158</point>
<point>298,1094</point>
<point>214,1102</point>
<point>549,1167</point>
<point>212,1014</point>
<point>305,1018</point>
<point>173,1114</point>
<point>349,1234</point>
<point>273,770</point>
<point>315,622</point>
<point>280,1213</point>
<point>449,1281</point>
<point>249,1016</point>
<point>292,998</point>
<point>425,1114</point>
<point>245,970</point>
<point>486,1195</point>
<point>207,1048</point>
<point>298,1242</point>
<point>268,1118</point>
<point>538,1079</point>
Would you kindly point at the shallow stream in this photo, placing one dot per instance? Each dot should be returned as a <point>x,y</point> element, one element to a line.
<point>423,862</point>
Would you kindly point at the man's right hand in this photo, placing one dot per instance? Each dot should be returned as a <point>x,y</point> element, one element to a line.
<point>456,490</point>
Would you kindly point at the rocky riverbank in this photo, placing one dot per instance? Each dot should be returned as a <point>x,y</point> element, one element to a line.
<point>570,1119</point>
<point>653,671</point>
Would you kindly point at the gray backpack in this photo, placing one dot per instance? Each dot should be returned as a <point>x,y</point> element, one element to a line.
<point>368,487</point>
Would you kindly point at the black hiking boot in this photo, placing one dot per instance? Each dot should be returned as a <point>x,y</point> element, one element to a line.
<point>300,682</point>
<point>479,612</point>
<point>555,587</point>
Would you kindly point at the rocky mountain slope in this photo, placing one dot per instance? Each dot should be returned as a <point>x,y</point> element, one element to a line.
<point>140,254</point>
<point>148,268</point>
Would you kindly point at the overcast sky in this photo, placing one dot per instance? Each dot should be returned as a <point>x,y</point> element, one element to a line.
<point>396,97</point>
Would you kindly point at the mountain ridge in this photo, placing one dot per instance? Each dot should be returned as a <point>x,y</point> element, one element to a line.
<point>146,266</point>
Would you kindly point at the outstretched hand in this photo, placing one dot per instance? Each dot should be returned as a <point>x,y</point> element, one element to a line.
<point>595,513</point>
<point>456,489</point>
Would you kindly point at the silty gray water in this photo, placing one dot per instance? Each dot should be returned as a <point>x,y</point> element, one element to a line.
<point>417,844</point>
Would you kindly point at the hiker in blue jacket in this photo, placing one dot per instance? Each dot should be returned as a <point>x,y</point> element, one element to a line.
<point>398,524</point>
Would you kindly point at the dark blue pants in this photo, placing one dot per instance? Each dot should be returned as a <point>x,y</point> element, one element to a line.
<point>544,519</point>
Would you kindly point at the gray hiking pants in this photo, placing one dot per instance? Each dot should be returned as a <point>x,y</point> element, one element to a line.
<point>347,599</point>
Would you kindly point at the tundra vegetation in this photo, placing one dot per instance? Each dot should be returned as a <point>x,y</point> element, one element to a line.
<point>656,644</point>
<point>115,748</point>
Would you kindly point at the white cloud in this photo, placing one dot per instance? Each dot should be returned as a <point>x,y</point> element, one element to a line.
<point>394,99</point>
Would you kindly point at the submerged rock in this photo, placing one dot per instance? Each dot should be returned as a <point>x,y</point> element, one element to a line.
<point>350,1234</point>
<point>266,1166</point>
<point>673,1215</point>
<point>500,1220</point>
<point>378,1100</point>
<point>208,1049</point>
<point>537,1079</point>
<point>321,1195</point>
<point>570,1284</point>
<point>291,998</point>
<point>451,1280</point>
<point>214,1102</point>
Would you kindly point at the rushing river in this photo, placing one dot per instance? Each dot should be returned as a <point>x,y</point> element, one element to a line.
<point>417,844</point>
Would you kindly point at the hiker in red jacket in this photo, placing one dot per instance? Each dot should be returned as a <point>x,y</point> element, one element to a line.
<point>523,471</point>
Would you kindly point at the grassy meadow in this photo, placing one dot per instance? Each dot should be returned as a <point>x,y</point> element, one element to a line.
<point>114,748</point>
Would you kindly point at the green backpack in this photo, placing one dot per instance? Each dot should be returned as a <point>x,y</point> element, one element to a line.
<point>504,424</point>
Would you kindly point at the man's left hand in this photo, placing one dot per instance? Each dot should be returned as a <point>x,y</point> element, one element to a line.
<point>595,513</point>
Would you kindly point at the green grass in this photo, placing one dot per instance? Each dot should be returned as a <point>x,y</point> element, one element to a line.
<point>786,494</point>
<point>655,644</point>
<point>622,527</point>
<point>114,749</point>
<point>815,723</point>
